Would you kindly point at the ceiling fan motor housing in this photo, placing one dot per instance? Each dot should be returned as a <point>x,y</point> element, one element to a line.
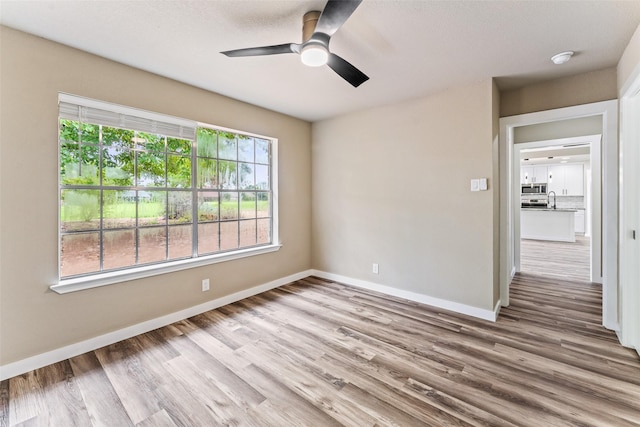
<point>309,22</point>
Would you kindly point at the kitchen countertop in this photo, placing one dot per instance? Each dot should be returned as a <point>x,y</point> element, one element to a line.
<point>549,210</point>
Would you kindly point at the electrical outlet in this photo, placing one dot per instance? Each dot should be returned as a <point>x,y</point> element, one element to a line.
<point>205,285</point>
<point>375,268</point>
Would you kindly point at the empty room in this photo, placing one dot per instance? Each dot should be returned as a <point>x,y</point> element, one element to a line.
<point>318,213</point>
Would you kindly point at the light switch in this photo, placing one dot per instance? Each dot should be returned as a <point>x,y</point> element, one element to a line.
<point>483,184</point>
<point>475,185</point>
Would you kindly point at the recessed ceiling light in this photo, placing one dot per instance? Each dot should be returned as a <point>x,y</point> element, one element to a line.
<point>562,57</point>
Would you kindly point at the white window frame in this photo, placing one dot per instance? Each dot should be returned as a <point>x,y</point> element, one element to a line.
<point>93,280</point>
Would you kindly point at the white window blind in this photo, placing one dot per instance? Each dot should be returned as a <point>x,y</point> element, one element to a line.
<point>113,115</point>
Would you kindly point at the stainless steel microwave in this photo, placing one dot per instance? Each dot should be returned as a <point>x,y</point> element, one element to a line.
<point>534,188</point>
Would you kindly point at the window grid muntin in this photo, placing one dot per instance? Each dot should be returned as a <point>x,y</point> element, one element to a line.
<point>238,190</point>
<point>136,187</point>
<point>195,221</point>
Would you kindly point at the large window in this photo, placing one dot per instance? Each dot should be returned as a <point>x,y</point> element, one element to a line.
<point>141,189</point>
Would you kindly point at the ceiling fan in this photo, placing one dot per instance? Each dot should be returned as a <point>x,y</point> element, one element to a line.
<point>317,29</point>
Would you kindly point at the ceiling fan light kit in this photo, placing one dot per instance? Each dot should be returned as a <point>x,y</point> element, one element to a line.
<point>314,55</point>
<point>317,29</point>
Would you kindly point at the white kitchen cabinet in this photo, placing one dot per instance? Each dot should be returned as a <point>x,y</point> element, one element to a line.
<point>556,180</point>
<point>540,174</point>
<point>533,174</point>
<point>566,180</point>
<point>579,222</point>
<point>574,180</point>
<point>548,224</point>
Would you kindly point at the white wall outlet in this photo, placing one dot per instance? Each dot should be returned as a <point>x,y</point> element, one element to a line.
<point>205,285</point>
<point>374,269</point>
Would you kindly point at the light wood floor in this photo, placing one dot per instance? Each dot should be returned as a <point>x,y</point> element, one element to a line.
<point>318,353</point>
<point>556,260</point>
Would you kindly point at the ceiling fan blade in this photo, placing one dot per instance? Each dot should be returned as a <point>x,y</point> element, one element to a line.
<point>335,13</point>
<point>346,70</point>
<point>264,50</point>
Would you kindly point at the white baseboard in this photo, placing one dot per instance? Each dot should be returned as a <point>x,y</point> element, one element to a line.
<point>29,364</point>
<point>414,296</point>
<point>624,343</point>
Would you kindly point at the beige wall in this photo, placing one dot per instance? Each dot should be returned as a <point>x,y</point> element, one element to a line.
<point>32,318</point>
<point>583,126</point>
<point>391,185</point>
<point>630,59</point>
<point>580,89</point>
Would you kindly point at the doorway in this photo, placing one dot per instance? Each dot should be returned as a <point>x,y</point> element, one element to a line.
<point>555,214</point>
<point>604,203</point>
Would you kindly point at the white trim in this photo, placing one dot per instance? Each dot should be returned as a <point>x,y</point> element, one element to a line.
<point>96,280</point>
<point>608,110</point>
<point>414,296</point>
<point>29,364</point>
<point>629,214</point>
<point>275,190</point>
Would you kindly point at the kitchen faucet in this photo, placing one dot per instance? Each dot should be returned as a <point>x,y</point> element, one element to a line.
<point>554,198</point>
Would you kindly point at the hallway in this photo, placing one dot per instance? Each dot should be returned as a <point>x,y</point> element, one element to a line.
<point>556,260</point>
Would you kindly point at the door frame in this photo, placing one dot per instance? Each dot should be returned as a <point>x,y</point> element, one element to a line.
<point>604,216</point>
<point>629,269</point>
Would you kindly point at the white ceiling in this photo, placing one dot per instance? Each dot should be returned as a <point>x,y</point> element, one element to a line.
<point>407,48</point>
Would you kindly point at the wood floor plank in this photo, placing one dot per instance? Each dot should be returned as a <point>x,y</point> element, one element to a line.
<point>566,261</point>
<point>625,392</point>
<point>4,403</point>
<point>200,391</point>
<point>102,402</point>
<point>64,402</point>
<point>394,392</point>
<point>322,393</point>
<point>159,419</point>
<point>26,399</point>
<point>185,408</point>
<point>284,407</point>
<point>320,353</point>
<point>234,388</point>
<point>132,382</point>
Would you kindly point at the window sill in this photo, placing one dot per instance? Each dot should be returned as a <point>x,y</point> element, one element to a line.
<point>96,280</point>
